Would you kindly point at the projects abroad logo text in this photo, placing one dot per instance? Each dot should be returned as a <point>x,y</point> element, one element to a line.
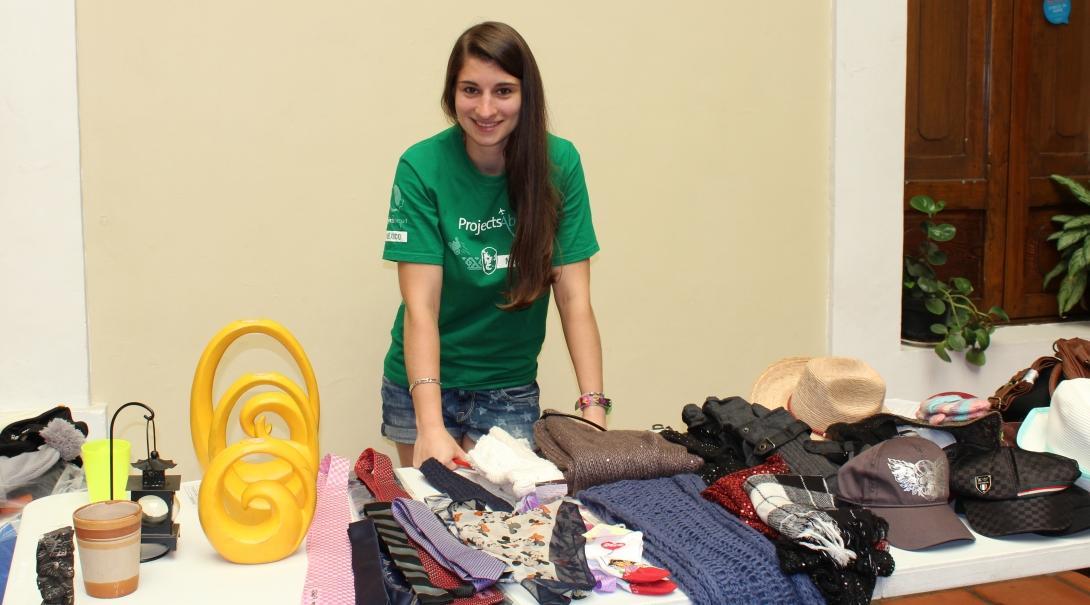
<point>503,219</point>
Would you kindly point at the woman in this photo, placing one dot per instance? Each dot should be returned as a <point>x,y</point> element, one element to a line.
<point>485,219</point>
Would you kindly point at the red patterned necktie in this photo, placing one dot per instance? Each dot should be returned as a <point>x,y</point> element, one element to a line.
<point>377,473</point>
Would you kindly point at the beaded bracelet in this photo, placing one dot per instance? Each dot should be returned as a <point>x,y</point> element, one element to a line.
<point>420,381</point>
<point>587,400</point>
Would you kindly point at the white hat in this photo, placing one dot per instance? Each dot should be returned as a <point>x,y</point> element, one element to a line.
<point>1063,428</point>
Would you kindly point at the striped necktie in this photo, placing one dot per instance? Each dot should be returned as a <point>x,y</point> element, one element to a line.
<point>404,555</point>
<point>472,565</point>
<point>377,473</point>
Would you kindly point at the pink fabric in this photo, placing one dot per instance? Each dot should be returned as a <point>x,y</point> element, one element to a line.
<point>329,553</point>
<point>952,407</point>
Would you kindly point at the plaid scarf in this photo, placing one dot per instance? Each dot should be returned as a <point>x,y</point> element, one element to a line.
<point>791,504</point>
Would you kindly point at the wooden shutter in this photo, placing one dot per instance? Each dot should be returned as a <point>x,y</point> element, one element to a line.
<point>1050,126</point>
<point>956,110</point>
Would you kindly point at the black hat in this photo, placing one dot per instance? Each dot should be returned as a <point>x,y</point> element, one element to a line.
<point>1080,511</point>
<point>1011,491</point>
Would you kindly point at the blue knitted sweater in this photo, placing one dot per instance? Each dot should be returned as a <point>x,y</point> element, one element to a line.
<point>714,558</point>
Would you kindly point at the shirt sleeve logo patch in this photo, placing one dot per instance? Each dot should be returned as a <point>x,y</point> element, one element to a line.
<point>395,199</point>
<point>397,236</point>
<point>396,218</point>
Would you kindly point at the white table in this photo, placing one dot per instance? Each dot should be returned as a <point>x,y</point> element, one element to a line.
<point>195,573</point>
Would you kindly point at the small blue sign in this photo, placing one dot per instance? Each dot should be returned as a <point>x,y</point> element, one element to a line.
<point>1057,11</point>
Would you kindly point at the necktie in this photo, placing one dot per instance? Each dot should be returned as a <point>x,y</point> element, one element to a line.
<point>404,555</point>
<point>459,488</point>
<point>329,554</point>
<point>425,528</point>
<point>377,473</point>
<point>366,564</point>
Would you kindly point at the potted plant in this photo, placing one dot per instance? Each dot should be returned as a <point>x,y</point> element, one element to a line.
<point>1074,249</point>
<point>953,318</point>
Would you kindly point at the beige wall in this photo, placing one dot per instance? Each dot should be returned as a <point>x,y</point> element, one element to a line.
<point>237,158</point>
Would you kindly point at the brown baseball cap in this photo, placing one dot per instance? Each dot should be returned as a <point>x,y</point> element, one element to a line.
<point>906,481</point>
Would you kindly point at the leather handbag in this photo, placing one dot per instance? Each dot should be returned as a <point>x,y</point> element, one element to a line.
<point>1032,387</point>
<point>589,455</point>
<point>1074,355</point>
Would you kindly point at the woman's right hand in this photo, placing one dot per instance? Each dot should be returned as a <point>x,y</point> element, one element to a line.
<point>438,444</point>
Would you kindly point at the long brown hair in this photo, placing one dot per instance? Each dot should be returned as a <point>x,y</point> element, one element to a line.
<point>534,200</point>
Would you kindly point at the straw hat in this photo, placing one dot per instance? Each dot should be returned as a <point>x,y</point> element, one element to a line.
<point>1063,428</point>
<point>821,391</point>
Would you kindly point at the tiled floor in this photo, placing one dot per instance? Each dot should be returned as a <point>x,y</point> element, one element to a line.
<point>1057,589</point>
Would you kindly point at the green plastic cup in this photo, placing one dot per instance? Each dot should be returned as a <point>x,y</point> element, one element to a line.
<point>96,466</point>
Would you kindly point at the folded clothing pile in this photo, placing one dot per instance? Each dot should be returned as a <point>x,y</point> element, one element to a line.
<point>509,462</point>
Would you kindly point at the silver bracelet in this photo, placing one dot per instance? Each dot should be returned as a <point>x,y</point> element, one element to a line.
<point>420,381</point>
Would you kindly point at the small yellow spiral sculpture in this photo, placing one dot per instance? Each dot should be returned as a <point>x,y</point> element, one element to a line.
<point>255,511</point>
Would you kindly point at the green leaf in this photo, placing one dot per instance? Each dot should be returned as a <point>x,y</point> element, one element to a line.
<point>983,339</point>
<point>1054,236</point>
<point>956,341</point>
<point>941,233</point>
<point>938,328</point>
<point>935,306</point>
<point>937,257</point>
<point>940,350</point>
<point>1077,261</point>
<point>975,357</point>
<point>961,315</point>
<point>1068,238</point>
<point>915,269</point>
<point>1074,187</point>
<point>1062,218</point>
<point>1071,291</point>
<point>1057,270</point>
<point>962,285</point>
<point>1081,221</point>
<point>925,204</point>
<point>999,312</point>
<point>928,284</point>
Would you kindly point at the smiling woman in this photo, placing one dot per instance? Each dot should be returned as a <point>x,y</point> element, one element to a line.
<point>487,218</point>
<point>487,100</point>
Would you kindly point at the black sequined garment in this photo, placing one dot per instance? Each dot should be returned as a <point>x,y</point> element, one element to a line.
<point>55,559</point>
<point>865,534</point>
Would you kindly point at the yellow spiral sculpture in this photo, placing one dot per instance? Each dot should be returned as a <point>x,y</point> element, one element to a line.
<point>255,512</point>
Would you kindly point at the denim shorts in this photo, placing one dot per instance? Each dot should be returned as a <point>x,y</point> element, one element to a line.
<point>465,413</point>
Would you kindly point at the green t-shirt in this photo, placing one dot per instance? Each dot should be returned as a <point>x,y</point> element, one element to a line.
<point>443,211</point>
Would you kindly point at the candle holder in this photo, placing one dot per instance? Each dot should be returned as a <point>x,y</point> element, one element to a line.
<point>153,490</point>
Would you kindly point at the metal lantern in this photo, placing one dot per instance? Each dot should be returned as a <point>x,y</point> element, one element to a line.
<point>153,489</point>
